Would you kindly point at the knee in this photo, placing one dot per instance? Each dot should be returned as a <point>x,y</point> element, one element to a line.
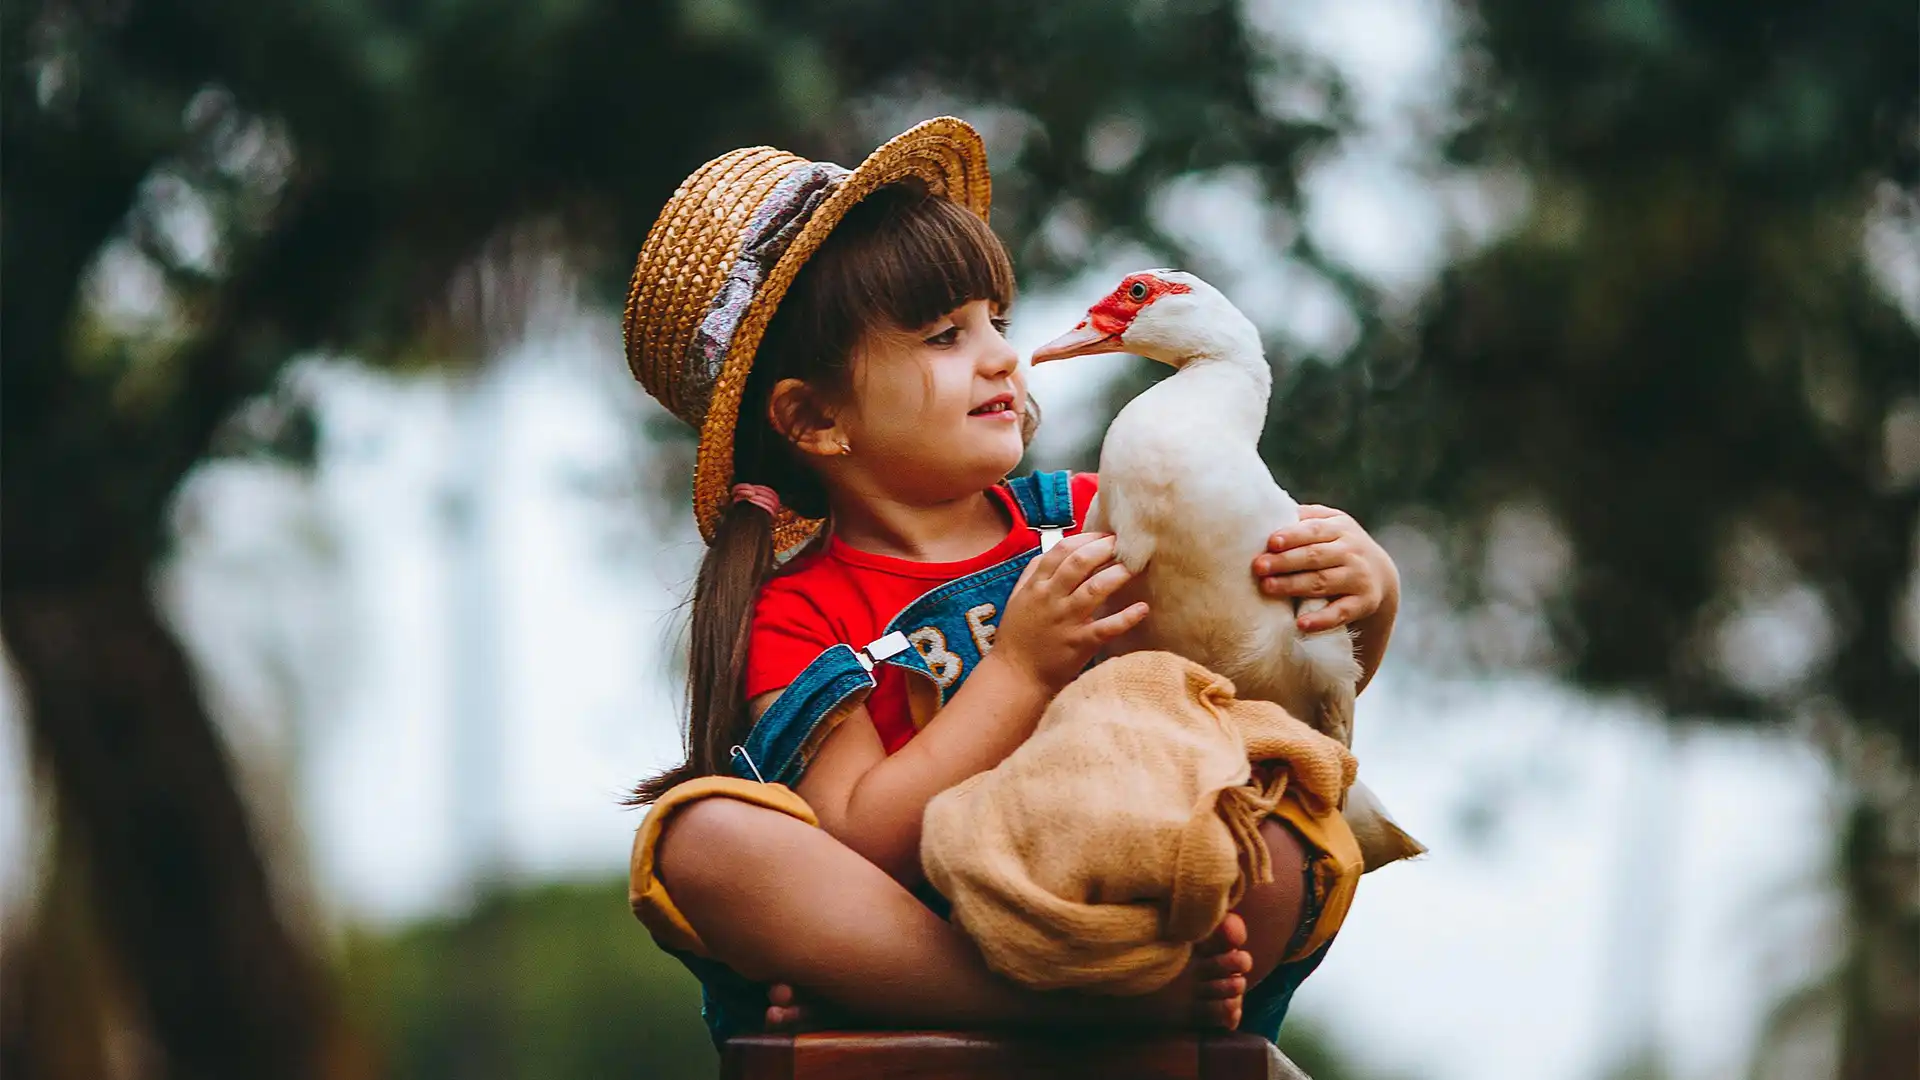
<point>703,843</point>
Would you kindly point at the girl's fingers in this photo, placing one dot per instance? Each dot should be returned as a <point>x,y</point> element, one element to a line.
<point>1345,610</point>
<point>1295,559</point>
<point>1101,585</point>
<point>1084,560</point>
<point>1338,581</point>
<point>1041,567</point>
<point>1026,575</point>
<point>1306,531</point>
<point>1050,564</point>
<point>1315,510</point>
<point>1105,630</point>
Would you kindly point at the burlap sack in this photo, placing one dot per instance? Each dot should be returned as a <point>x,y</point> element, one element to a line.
<point>1122,832</point>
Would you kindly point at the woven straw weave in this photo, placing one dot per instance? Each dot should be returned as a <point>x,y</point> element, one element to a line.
<point>694,243</point>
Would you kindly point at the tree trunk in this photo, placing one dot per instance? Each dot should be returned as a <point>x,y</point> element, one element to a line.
<point>1880,1039</point>
<point>179,891</point>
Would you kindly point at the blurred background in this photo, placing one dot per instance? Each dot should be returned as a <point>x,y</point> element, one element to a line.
<point>341,561</point>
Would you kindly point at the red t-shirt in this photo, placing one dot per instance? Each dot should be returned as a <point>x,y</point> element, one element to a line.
<point>839,595</point>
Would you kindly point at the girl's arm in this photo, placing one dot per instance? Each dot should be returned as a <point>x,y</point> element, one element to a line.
<point>1328,554</point>
<point>873,802</point>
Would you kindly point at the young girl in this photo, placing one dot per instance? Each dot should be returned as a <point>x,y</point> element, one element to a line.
<point>837,338</point>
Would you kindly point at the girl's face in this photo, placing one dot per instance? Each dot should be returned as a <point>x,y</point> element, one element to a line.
<point>936,413</point>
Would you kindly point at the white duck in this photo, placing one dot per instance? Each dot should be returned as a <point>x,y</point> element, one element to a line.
<point>1190,503</point>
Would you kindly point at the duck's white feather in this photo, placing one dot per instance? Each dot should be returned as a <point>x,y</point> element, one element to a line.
<point>1190,503</point>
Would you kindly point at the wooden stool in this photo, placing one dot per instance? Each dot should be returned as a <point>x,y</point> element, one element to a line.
<point>956,1055</point>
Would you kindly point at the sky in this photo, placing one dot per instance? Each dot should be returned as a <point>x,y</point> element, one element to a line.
<point>474,550</point>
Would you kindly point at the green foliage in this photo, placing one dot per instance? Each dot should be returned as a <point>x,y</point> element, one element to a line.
<point>1678,351</point>
<point>1313,1049</point>
<point>549,983</point>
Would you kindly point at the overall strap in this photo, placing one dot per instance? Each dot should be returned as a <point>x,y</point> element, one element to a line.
<point>1047,501</point>
<point>781,743</point>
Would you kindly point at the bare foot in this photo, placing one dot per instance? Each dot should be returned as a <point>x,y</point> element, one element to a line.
<point>788,1011</point>
<point>1210,993</point>
<point>784,1012</point>
<point>1219,973</point>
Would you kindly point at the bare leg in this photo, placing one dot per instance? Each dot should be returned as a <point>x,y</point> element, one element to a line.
<point>1220,968</point>
<point>781,901</point>
<point>1220,971</point>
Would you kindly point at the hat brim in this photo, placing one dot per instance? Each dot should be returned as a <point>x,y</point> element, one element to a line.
<point>947,155</point>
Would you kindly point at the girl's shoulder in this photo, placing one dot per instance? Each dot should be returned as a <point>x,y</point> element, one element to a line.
<point>802,576</point>
<point>801,611</point>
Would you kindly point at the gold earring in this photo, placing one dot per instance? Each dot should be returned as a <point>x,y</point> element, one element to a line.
<point>844,448</point>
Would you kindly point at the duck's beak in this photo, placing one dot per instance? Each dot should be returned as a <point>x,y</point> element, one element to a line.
<point>1082,340</point>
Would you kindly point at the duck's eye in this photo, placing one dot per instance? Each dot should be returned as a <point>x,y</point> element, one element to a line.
<point>1137,290</point>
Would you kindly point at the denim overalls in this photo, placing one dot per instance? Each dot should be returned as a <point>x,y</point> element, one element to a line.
<point>937,639</point>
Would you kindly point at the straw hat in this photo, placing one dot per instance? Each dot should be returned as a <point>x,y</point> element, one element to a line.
<point>723,252</point>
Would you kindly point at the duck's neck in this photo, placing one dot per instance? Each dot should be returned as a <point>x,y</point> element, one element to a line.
<point>1227,375</point>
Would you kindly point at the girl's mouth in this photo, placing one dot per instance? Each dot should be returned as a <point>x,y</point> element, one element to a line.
<point>1000,408</point>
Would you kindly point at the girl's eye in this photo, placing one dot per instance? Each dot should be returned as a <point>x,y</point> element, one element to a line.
<point>1002,325</point>
<point>945,337</point>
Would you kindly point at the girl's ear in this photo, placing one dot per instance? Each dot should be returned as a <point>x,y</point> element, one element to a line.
<point>796,412</point>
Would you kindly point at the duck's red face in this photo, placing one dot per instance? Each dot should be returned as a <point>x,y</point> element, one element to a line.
<point>1105,327</point>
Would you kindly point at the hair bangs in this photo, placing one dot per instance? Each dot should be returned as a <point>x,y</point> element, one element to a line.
<point>919,257</point>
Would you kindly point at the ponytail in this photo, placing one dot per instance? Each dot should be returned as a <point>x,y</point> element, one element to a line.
<point>737,563</point>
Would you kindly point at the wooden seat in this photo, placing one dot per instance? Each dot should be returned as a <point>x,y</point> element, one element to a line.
<point>949,1055</point>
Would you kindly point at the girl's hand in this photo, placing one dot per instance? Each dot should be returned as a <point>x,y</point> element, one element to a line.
<point>1328,554</point>
<point>1050,630</point>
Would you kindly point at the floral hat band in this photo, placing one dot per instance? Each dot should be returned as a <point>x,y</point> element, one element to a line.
<point>769,233</point>
<point>722,254</point>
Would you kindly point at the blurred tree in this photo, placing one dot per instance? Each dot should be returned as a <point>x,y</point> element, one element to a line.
<point>1681,361</point>
<point>197,191</point>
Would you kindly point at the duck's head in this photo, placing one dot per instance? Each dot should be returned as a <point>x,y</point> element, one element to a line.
<point>1165,315</point>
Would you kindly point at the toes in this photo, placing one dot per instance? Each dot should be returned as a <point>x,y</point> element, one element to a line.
<point>1229,935</point>
<point>783,1008</point>
<point>1219,1014</point>
<point>1233,929</point>
<point>1232,986</point>
<point>1232,962</point>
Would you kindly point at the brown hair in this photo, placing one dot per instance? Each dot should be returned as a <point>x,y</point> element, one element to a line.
<point>900,259</point>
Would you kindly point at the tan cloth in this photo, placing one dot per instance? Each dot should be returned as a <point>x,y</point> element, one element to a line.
<point>1121,833</point>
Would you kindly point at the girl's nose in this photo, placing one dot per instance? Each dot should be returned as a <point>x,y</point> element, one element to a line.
<point>1000,358</point>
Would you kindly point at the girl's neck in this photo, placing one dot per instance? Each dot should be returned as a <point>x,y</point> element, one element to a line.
<point>939,532</point>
